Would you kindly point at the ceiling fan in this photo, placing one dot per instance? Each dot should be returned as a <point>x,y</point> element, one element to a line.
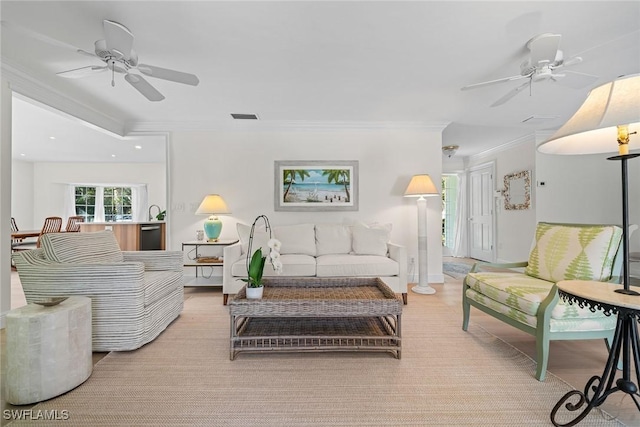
<point>116,51</point>
<point>544,60</point>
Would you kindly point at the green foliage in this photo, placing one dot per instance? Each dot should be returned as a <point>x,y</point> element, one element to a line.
<point>256,268</point>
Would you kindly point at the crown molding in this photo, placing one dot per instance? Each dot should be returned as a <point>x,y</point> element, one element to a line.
<point>28,86</point>
<point>506,146</point>
<point>282,126</point>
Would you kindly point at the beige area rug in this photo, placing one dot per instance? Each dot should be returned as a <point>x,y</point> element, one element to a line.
<point>446,377</point>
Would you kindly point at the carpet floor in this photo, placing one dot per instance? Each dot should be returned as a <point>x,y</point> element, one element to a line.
<point>446,377</point>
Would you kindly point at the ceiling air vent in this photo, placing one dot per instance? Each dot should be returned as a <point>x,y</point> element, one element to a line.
<point>237,116</point>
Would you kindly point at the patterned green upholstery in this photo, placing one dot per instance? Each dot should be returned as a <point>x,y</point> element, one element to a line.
<point>529,300</point>
<point>564,252</point>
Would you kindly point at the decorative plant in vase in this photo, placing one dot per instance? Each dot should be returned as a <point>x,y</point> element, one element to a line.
<point>256,260</point>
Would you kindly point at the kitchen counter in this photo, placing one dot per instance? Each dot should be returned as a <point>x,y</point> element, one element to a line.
<point>132,236</point>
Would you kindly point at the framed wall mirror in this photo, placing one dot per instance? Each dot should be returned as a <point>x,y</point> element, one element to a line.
<point>517,191</point>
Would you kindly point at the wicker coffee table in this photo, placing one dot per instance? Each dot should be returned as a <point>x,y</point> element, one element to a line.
<point>316,315</point>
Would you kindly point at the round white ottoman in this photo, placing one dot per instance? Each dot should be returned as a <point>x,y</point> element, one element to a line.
<point>48,350</point>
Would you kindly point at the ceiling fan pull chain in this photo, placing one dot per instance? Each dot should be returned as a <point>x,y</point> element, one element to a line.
<point>113,76</point>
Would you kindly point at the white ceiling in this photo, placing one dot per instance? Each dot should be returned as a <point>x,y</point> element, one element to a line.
<point>350,63</point>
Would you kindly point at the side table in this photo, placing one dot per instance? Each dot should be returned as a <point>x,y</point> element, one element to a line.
<point>48,350</point>
<point>625,345</point>
<point>194,257</point>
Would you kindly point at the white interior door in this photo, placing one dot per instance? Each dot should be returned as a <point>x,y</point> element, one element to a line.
<point>481,221</point>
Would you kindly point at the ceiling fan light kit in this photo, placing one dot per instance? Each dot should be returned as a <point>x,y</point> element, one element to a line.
<point>116,51</point>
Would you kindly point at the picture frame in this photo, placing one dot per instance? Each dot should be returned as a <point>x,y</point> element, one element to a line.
<point>517,191</point>
<point>316,185</point>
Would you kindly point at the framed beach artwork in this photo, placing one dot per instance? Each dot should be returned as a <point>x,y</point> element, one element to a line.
<point>316,185</point>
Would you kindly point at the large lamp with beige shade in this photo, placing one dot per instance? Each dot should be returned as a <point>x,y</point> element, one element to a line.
<point>212,205</point>
<point>422,186</point>
<point>604,124</point>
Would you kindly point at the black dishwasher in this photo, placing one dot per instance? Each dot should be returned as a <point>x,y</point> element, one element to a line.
<point>150,237</point>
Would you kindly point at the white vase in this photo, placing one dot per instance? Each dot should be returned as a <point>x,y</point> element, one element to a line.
<point>254,293</point>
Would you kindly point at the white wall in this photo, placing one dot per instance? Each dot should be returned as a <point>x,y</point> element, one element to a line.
<point>22,194</point>
<point>240,167</point>
<point>515,228</point>
<point>587,189</point>
<point>51,179</point>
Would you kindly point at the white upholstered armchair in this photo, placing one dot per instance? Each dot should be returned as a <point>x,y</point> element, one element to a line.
<point>135,295</point>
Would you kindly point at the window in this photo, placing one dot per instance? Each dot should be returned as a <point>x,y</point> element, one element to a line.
<point>86,202</point>
<point>116,202</point>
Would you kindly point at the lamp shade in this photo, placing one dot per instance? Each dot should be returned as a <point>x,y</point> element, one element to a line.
<point>594,127</point>
<point>421,185</point>
<point>212,205</point>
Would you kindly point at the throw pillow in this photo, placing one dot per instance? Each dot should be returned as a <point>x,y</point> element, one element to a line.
<point>98,247</point>
<point>296,239</point>
<point>333,239</point>
<point>371,240</point>
<point>260,239</point>
<point>566,252</point>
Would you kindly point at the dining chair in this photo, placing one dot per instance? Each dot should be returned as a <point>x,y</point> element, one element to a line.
<point>73,224</point>
<point>14,228</point>
<point>52,224</point>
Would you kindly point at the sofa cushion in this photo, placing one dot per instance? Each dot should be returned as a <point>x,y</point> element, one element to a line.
<point>292,265</point>
<point>595,322</point>
<point>333,239</point>
<point>296,239</point>
<point>524,293</point>
<point>159,284</point>
<point>371,240</point>
<point>96,247</point>
<point>566,252</point>
<point>260,238</point>
<point>356,265</point>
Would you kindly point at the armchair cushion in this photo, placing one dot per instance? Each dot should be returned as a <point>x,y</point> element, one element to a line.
<point>98,247</point>
<point>573,253</point>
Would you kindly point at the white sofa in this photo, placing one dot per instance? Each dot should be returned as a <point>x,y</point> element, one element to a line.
<point>321,250</point>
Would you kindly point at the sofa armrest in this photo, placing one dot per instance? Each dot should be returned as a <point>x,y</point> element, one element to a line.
<point>231,254</point>
<point>399,254</point>
<point>156,260</point>
<point>479,265</point>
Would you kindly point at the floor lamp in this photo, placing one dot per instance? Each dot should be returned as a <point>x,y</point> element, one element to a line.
<point>610,113</point>
<point>422,186</point>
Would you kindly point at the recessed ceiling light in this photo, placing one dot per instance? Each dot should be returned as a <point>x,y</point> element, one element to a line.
<point>23,155</point>
<point>52,137</point>
<point>138,147</point>
<point>113,155</point>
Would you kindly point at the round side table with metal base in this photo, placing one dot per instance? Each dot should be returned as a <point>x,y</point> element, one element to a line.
<point>624,347</point>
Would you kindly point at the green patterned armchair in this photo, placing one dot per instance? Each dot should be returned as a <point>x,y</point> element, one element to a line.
<point>528,299</point>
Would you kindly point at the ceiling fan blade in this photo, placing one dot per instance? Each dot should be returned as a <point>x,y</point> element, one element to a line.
<point>544,48</point>
<point>577,80</point>
<point>571,61</point>
<point>82,72</point>
<point>143,86</point>
<point>166,74</point>
<point>513,92</point>
<point>118,37</point>
<point>492,82</point>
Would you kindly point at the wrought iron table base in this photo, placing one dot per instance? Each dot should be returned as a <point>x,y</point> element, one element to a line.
<point>625,341</point>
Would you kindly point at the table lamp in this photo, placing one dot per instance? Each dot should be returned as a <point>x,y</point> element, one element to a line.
<point>212,205</point>
<point>422,186</point>
<point>610,113</point>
